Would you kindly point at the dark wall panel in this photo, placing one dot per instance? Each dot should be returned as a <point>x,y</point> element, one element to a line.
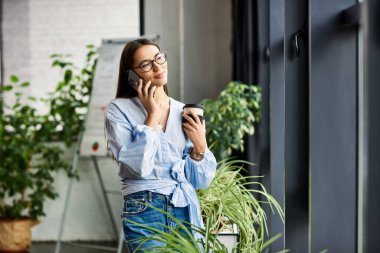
<point>333,128</point>
<point>296,126</point>
<point>277,114</point>
<point>373,200</point>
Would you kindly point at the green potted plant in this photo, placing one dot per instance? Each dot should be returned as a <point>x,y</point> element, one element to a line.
<point>28,164</point>
<point>181,239</point>
<point>30,154</point>
<point>229,200</point>
<point>239,106</point>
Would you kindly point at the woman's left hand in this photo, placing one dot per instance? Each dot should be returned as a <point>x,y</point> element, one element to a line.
<point>196,131</point>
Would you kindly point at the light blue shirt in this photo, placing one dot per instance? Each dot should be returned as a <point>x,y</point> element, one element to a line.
<point>157,161</point>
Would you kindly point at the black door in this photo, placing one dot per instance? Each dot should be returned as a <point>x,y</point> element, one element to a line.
<point>371,129</point>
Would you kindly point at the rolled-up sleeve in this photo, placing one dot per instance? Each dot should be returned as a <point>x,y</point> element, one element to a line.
<point>199,173</point>
<point>134,147</point>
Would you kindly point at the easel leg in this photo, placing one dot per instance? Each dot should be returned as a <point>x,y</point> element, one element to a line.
<point>121,241</point>
<point>67,198</point>
<point>105,196</point>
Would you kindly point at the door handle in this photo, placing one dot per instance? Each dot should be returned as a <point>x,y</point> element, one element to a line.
<point>296,43</point>
<point>297,37</point>
<point>300,35</point>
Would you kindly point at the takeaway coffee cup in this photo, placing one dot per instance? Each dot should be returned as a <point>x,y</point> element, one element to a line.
<point>196,108</point>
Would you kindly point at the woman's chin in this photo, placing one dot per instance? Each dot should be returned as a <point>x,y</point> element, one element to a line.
<point>160,83</point>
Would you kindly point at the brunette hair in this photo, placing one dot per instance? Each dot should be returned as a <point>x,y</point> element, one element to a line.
<point>124,90</point>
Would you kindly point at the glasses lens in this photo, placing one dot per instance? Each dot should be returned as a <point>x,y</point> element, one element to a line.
<point>146,66</point>
<point>161,58</point>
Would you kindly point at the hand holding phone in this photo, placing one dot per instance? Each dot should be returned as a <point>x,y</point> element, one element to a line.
<point>133,79</point>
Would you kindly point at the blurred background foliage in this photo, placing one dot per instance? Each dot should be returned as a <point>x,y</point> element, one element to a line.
<point>230,117</point>
<point>29,151</point>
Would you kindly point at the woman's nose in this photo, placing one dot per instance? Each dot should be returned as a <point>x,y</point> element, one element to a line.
<point>156,66</point>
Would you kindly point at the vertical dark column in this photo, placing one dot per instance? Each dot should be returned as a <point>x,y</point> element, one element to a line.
<point>296,125</point>
<point>373,92</point>
<point>259,145</point>
<point>258,149</point>
<point>245,61</point>
<point>263,54</point>
<point>244,41</point>
<point>142,17</point>
<point>333,128</point>
<point>277,114</point>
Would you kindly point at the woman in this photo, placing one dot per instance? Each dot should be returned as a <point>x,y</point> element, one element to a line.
<point>161,161</point>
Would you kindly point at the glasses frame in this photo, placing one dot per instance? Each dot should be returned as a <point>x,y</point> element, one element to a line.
<point>151,62</point>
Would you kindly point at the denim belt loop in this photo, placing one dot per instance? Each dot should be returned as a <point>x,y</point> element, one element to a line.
<point>150,196</point>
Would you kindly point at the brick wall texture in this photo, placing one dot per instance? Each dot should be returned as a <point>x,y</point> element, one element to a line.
<point>35,29</point>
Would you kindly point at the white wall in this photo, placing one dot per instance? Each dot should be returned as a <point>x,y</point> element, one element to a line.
<point>16,38</point>
<point>197,34</point>
<point>32,31</point>
<point>207,48</point>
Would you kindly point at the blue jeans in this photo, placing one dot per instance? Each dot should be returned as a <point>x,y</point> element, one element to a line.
<point>135,211</point>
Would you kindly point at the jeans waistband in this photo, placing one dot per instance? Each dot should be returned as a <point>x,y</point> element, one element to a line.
<point>150,195</point>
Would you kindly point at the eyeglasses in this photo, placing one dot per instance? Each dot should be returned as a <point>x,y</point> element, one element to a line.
<point>147,65</point>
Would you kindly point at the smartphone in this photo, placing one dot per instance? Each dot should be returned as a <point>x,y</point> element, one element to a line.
<point>133,79</point>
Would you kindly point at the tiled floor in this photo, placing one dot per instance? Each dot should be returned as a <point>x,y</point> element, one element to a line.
<point>49,247</point>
